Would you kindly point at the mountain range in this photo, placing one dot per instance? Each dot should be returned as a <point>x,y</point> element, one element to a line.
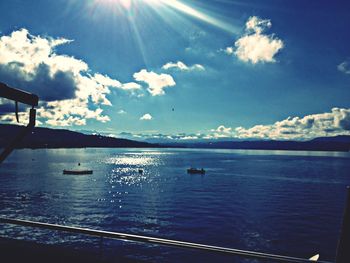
<point>336,143</point>
<point>58,138</point>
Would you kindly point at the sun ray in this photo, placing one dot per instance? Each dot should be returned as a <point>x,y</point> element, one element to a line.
<point>138,39</point>
<point>139,17</point>
<point>123,3</point>
<point>175,4</point>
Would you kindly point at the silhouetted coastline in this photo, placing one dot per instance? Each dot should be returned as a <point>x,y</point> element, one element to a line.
<point>337,143</point>
<point>56,138</point>
<point>59,138</point>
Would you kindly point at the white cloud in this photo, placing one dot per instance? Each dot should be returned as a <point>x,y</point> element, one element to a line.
<point>30,52</point>
<point>162,137</point>
<point>156,82</point>
<point>223,129</point>
<point>146,117</point>
<point>257,24</point>
<point>229,50</point>
<point>336,122</point>
<point>131,86</point>
<point>106,81</point>
<point>344,67</point>
<point>23,118</point>
<point>220,132</point>
<point>186,138</point>
<point>183,67</point>
<point>69,94</point>
<point>121,112</point>
<point>133,89</point>
<point>69,112</point>
<point>255,46</point>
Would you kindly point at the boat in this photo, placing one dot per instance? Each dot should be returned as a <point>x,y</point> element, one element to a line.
<point>77,172</point>
<point>195,171</point>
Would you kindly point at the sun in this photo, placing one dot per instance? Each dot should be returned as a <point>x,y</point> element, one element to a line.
<point>160,5</point>
<point>127,4</point>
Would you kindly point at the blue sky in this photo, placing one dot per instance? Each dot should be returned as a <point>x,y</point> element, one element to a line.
<point>181,70</point>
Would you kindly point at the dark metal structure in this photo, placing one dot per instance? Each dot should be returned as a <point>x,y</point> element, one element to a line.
<point>343,255</point>
<point>17,96</point>
<point>343,250</point>
<point>158,241</point>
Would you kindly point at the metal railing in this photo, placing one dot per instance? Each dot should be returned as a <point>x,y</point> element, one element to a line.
<point>24,97</point>
<point>158,241</point>
<point>18,95</point>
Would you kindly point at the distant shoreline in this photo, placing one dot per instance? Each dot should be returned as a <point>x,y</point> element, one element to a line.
<point>42,138</point>
<point>184,147</point>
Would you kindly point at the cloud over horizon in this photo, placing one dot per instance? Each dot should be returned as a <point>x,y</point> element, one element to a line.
<point>336,122</point>
<point>254,46</point>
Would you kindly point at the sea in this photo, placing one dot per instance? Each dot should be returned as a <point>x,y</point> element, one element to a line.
<point>280,202</point>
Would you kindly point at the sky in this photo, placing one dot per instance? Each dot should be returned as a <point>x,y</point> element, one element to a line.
<point>181,70</point>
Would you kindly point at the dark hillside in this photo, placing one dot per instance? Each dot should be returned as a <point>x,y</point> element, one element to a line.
<point>52,138</point>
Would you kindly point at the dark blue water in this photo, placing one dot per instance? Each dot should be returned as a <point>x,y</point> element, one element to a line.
<point>271,201</point>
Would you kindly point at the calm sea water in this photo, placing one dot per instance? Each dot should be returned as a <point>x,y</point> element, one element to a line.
<point>270,201</point>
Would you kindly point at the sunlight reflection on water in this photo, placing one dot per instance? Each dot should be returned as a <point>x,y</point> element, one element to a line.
<point>260,200</point>
<point>149,153</point>
<point>126,176</point>
<point>134,159</point>
<point>133,168</point>
<point>123,160</point>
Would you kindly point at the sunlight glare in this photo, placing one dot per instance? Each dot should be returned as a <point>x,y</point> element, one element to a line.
<point>173,4</point>
<point>184,8</point>
<point>124,3</point>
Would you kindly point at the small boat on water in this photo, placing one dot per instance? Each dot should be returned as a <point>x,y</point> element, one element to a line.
<point>195,171</point>
<point>77,172</point>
